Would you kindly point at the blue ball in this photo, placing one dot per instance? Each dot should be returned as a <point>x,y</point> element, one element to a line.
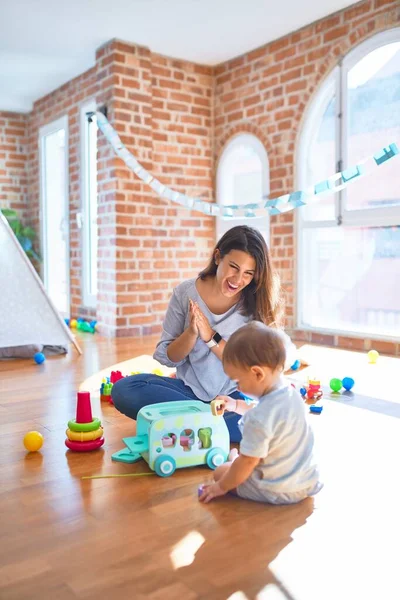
<point>93,324</point>
<point>39,358</point>
<point>66,322</point>
<point>348,383</point>
<point>303,391</point>
<point>295,365</point>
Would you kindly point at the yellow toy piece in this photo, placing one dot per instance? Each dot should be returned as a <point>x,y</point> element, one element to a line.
<point>217,408</point>
<point>136,372</point>
<point>33,441</point>
<point>84,436</point>
<point>73,323</point>
<point>373,356</point>
<point>158,372</point>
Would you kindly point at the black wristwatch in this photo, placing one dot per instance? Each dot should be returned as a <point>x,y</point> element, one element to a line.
<point>215,340</point>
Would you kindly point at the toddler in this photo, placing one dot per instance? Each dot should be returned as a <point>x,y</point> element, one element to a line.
<point>275,463</point>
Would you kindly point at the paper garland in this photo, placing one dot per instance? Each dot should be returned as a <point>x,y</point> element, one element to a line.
<point>274,206</point>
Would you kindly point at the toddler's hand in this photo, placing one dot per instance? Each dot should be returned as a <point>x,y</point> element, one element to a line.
<point>211,491</point>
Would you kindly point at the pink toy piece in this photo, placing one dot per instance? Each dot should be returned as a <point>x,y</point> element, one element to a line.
<point>84,446</point>
<point>186,441</point>
<point>169,440</point>
<point>200,490</point>
<point>83,408</point>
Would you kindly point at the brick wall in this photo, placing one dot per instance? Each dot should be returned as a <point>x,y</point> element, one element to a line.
<point>266,91</point>
<point>161,109</point>
<point>13,156</point>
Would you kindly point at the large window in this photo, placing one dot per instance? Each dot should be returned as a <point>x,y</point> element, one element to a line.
<point>349,242</point>
<point>88,214</point>
<point>243,178</point>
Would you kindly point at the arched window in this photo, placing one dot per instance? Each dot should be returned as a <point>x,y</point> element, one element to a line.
<point>243,178</point>
<point>349,242</point>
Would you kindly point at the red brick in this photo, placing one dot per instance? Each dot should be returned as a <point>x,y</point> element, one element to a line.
<point>335,34</point>
<point>321,338</point>
<point>351,343</point>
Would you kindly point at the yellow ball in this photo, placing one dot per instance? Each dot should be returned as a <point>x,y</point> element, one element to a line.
<point>373,356</point>
<point>33,441</point>
<point>73,323</point>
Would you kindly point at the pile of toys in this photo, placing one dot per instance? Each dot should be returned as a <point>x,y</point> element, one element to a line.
<point>108,382</point>
<point>81,325</point>
<point>312,390</point>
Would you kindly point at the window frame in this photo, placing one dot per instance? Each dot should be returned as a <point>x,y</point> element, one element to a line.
<point>387,216</point>
<point>89,299</point>
<point>256,144</point>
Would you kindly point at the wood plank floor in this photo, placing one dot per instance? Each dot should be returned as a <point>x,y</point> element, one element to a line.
<point>63,537</point>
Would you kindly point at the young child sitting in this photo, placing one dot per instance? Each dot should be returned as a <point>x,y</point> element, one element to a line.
<point>275,463</point>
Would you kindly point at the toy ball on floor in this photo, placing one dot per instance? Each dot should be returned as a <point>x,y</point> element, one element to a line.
<point>335,384</point>
<point>39,358</point>
<point>348,383</point>
<point>73,323</point>
<point>33,441</point>
<point>295,365</point>
<point>373,356</point>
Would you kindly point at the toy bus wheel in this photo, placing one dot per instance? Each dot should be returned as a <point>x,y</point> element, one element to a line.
<point>164,466</point>
<point>215,458</point>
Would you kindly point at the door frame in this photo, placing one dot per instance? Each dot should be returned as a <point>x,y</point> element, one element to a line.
<point>49,128</point>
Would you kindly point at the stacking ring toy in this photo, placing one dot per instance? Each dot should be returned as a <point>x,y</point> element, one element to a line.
<point>92,426</point>
<point>84,436</point>
<point>84,446</point>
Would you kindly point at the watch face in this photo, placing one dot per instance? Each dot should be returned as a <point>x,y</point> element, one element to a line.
<point>217,338</point>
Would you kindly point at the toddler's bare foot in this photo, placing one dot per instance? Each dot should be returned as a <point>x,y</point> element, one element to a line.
<point>233,454</point>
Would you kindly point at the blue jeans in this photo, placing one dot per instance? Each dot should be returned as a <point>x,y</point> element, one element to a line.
<point>133,393</point>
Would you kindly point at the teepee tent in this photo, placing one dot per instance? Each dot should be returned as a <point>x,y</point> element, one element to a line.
<point>27,315</point>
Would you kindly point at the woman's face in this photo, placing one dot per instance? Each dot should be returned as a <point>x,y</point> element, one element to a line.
<point>235,271</point>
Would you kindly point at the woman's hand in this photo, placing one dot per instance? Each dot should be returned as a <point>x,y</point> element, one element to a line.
<point>211,491</point>
<point>203,326</point>
<point>193,328</point>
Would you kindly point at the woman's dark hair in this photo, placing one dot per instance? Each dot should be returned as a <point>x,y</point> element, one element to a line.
<point>261,299</point>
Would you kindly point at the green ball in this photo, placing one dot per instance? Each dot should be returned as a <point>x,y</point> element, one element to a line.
<point>335,384</point>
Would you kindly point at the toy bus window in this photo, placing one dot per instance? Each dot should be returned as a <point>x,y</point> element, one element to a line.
<point>186,439</point>
<point>205,437</point>
<point>169,440</point>
<point>168,412</point>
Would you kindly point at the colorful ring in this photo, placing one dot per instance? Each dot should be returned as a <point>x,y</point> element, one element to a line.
<point>84,446</point>
<point>84,436</point>
<point>92,426</point>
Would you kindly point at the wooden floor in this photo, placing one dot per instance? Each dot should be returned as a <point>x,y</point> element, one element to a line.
<point>63,537</point>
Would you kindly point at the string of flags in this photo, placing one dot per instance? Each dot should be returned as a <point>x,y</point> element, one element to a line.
<point>274,206</point>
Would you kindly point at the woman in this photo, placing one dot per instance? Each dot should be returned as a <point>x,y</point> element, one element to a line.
<point>237,286</point>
